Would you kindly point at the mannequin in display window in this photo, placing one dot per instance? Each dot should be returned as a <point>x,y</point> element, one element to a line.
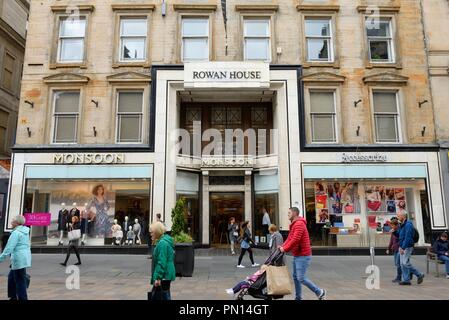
<point>74,212</point>
<point>137,228</point>
<point>126,224</point>
<point>63,219</point>
<point>115,232</point>
<point>84,224</point>
<point>130,236</point>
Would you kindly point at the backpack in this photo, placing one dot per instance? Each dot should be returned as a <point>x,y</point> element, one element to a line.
<point>415,235</point>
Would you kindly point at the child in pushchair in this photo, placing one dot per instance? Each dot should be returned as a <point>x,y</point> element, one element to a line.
<point>256,284</point>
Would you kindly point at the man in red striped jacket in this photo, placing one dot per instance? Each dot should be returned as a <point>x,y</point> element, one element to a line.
<point>298,243</point>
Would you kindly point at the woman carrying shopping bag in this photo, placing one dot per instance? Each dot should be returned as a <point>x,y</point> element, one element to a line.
<point>74,237</point>
<point>163,270</point>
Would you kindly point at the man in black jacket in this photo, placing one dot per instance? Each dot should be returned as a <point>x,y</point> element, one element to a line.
<point>441,249</point>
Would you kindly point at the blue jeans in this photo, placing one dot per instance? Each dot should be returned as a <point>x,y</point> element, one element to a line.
<point>397,263</point>
<point>17,285</point>
<point>445,259</point>
<point>300,266</point>
<point>407,267</point>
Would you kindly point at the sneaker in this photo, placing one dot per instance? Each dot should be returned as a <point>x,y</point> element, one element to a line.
<point>240,266</point>
<point>233,253</point>
<point>404,283</point>
<point>447,277</point>
<point>63,264</point>
<point>323,294</point>
<point>230,292</point>
<point>396,280</point>
<point>255,265</point>
<point>420,279</point>
<point>78,264</point>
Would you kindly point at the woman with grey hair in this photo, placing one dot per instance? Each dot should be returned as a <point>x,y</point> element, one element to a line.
<point>18,248</point>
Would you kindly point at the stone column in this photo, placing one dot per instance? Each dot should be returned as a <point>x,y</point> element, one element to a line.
<point>206,214</point>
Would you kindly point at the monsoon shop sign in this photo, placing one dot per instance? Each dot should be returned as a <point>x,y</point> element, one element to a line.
<point>363,157</point>
<point>226,75</point>
<point>37,219</point>
<point>89,158</point>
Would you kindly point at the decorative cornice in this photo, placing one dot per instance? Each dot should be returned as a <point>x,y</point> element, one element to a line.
<point>386,78</point>
<point>66,78</point>
<point>256,7</point>
<point>195,7</point>
<point>381,9</point>
<point>317,7</point>
<point>133,7</point>
<point>134,77</point>
<point>81,7</point>
<point>323,77</point>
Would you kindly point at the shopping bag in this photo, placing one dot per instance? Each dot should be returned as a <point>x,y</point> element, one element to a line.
<point>155,294</point>
<point>278,281</point>
<point>74,234</point>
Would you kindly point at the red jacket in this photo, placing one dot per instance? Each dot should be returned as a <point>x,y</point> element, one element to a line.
<point>298,241</point>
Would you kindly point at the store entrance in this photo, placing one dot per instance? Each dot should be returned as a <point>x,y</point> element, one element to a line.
<point>223,206</point>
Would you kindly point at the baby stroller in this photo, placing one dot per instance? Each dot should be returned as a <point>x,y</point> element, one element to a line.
<point>258,289</point>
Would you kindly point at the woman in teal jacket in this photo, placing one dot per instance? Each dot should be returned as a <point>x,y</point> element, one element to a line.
<point>18,248</point>
<point>163,260</point>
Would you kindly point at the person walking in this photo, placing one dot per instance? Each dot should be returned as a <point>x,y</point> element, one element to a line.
<point>246,245</point>
<point>393,247</point>
<point>266,222</point>
<point>233,230</point>
<point>441,249</point>
<point>18,248</point>
<point>298,243</point>
<point>163,269</point>
<point>406,245</point>
<point>276,239</point>
<point>73,244</point>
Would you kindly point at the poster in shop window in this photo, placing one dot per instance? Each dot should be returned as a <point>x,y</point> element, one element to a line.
<point>401,204</point>
<point>335,199</point>
<point>375,198</point>
<point>349,196</point>
<point>322,212</point>
<point>391,201</point>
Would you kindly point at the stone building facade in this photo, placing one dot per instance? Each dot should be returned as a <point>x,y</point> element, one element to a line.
<point>13,20</point>
<point>340,84</point>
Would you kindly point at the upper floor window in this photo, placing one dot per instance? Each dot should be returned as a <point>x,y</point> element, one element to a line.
<point>257,39</point>
<point>380,40</point>
<point>133,39</point>
<point>71,40</point>
<point>195,39</point>
<point>8,71</point>
<point>323,116</point>
<point>66,114</point>
<point>129,116</point>
<point>319,39</point>
<point>386,116</point>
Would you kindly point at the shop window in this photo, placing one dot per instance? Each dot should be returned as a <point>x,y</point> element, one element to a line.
<point>187,188</point>
<point>386,116</point>
<point>129,117</point>
<point>71,40</point>
<point>319,39</point>
<point>323,116</point>
<point>257,39</point>
<point>380,40</point>
<point>266,204</point>
<point>66,113</point>
<point>8,72</point>
<point>195,39</point>
<point>133,39</point>
<point>4,117</point>
<point>97,204</point>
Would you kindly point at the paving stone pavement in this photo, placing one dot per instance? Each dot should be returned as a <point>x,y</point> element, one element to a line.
<point>126,277</point>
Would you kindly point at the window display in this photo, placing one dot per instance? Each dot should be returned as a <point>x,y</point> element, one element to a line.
<point>101,207</point>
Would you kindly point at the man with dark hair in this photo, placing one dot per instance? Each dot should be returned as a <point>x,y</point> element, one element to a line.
<point>298,242</point>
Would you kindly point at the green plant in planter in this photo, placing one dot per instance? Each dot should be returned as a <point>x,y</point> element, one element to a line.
<point>178,228</point>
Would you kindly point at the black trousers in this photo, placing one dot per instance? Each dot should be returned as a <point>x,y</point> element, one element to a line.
<point>17,285</point>
<point>73,247</point>
<point>250,251</point>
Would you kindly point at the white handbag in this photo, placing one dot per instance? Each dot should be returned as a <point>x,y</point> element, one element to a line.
<point>74,234</point>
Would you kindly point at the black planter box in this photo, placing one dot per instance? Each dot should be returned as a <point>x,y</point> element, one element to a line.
<point>184,259</point>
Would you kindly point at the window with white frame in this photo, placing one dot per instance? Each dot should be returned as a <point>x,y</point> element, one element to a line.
<point>323,116</point>
<point>133,39</point>
<point>129,116</point>
<point>380,39</point>
<point>66,114</point>
<point>386,116</point>
<point>71,42</point>
<point>195,39</point>
<point>257,39</point>
<point>319,39</point>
